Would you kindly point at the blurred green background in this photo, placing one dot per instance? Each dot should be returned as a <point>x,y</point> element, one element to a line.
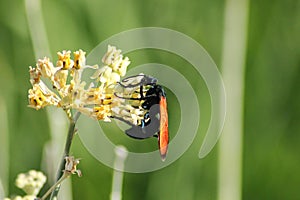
<point>271,150</point>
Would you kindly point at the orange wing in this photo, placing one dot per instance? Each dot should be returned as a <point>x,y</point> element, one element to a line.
<point>163,136</point>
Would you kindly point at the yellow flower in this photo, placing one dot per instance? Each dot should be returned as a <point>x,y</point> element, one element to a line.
<point>97,100</point>
<point>79,59</point>
<point>60,79</point>
<point>122,68</point>
<point>40,96</point>
<point>46,67</point>
<point>35,75</point>
<point>64,60</point>
<point>102,112</point>
<point>115,67</point>
<point>111,55</point>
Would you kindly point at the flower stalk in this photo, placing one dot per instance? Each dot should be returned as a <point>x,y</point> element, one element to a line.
<point>54,187</point>
<point>60,172</point>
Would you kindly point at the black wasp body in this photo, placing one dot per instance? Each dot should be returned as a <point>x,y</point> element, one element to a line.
<point>150,124</point>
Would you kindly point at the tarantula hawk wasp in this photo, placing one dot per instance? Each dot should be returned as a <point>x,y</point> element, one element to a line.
<point>153,99</point>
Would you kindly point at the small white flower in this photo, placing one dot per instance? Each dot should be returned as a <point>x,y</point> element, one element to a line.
<point>111,55</point>
<point>29,197</point>
<point>31,182</point>
<point>46,67</point>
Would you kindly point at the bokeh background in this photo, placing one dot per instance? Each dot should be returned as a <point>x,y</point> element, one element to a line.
<point>271,98</point>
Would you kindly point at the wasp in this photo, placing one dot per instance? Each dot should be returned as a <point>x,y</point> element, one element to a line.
<point>152,98</point>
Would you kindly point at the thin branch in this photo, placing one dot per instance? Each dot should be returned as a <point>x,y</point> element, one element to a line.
<point>64,176</point>
<point>69,140</point>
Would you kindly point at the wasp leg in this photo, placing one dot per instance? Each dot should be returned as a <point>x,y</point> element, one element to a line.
<point>123,120</point>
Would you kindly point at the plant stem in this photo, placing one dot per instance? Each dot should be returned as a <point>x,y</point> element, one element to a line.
<point>69,140</point>
<point>64,176</point>
<point>117,182</point>
<point>233,67</point>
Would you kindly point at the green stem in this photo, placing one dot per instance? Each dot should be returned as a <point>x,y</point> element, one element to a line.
<point>69,140</point>
<point>233,69</point>
<point>64,176</point>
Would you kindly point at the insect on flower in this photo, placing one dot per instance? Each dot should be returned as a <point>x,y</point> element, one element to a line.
<point>136,100</point>
<point>143,91</point>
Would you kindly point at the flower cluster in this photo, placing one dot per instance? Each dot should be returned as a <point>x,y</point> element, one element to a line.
<point>31,183</point>
<point>95,100</point>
